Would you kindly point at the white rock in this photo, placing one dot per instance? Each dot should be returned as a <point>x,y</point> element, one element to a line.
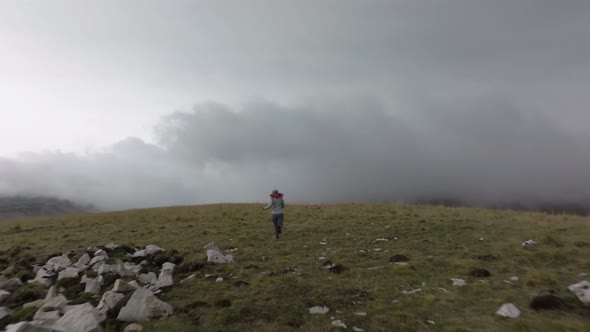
<point>458,282</point>
<point>122,286</point>
<point>148,278</point>
<point>5,314</point>
<point>357,329</point>
<point>143,262</point>
<point>508,310</point>
<point>318,310</point>
<point>101,253</point>
<point>211,246</point>
<point>165,278</point>
<point>93,285</point>
<point>220,279</point>
<point>189,278</point>
<point>83,318</point>
<point>214,256</point>
<point>48,317</point>
<point>377,249</point>
<point>11,284</point>
<point>152,249</point>
<point>362,313</point>
<point>338,323</point>
<point>69,272</point>
<point>139,253</point>
<point>130,269</point>
<point>133,328</point>
<point>24,327</point>
<point>55,303</point>
<point>51,293</point>
<point>417,290</point>
<point>514,278</point>
<point>4,295</point>
<point>582,291</point>
<point>43,277</point>
<point>96,259</point>
<point>83,261</point>
<point>59,263</point>
<point>381,240</point>
<point>112,245</point>
<point>431,322</point>
<point>134,284</point>
<point>8,269</point>
<point>142,306</point>
<point>529,244</point>
<point>109,300</point>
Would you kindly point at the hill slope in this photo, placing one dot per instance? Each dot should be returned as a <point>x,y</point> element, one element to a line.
<point>12,207</point>
<point>285,277</point>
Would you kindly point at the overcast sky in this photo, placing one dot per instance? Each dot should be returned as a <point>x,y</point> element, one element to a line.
<point>148,103</point>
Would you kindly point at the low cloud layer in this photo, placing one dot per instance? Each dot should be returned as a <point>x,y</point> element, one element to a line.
<point>322,152</point>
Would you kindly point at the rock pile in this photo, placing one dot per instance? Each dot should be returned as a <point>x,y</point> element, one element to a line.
<point>112,282</point>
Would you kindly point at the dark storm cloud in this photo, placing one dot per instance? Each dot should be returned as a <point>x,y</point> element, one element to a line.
<point>324,153</point>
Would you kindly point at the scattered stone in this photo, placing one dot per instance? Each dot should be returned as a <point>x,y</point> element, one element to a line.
<point>93,285</point>
<point>214,255</point>
<point>431,322</point>
<point>319,310</point>
<point>84,260</point>
<point>139,253</point>
<point>190,278</point>
<point>148,278</point>
<point>582,291</point>
<point>4,295</point>
<point>152,249</point>
<point>357,329</point>
<point>514,278</point>
<point>165,278</point>
<point>508,310</point>
<point>481,273</point>
<point>362,313</point>
<point>380,240</point>
<point>82,318</point>
<point>458,282</point>
<point>96,259</point>
<point>59,263</point>
<point>548,302</point>
<point>109,301</point>
<point>377,249</point>
<point>529,244</point>
<point>399,259</point>
<point>417,290</point>
<point>69,272</point>
<point>220,279</point>
<point>143,306</point>
<point>338,323</point>
<point>133,328</point>
<point>122,286</point>
<point>5,315</point>
<point>101,253</point>
<point>11,284</point>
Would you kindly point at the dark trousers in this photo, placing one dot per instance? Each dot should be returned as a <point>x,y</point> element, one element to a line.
<point>277,220</point>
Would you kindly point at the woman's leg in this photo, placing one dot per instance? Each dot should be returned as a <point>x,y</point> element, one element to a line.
<point>275,222</point>
<point>280,220</point>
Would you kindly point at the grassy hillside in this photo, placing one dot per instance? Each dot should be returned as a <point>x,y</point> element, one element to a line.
<point>286,277</point>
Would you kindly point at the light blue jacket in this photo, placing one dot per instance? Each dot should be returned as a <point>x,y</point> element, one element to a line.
<point>277,205</point>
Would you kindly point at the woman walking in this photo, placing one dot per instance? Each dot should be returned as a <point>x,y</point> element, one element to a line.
<point>277,204</point>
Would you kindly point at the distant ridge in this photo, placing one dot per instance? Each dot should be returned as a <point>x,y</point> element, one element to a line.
<point>13,207</point>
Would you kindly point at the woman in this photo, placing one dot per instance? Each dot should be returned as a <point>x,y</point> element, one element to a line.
<point>277,204</point>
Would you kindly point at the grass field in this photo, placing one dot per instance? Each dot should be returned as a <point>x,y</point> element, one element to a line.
<point>441,243</point>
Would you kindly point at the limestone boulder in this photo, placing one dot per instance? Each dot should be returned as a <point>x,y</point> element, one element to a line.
<point>143,306</point>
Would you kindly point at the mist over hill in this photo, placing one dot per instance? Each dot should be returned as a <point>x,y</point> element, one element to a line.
<point>13,207</point>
